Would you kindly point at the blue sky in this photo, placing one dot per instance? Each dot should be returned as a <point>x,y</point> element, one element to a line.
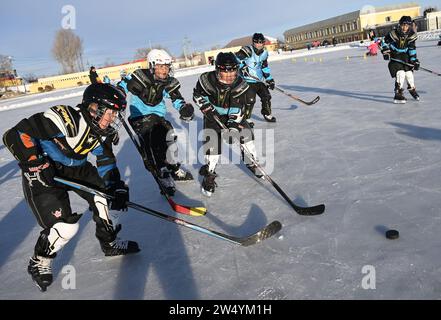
<point>113,30</point>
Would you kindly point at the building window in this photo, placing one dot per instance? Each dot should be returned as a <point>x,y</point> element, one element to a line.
<point>354,25</point>
<point>388,19</point>
<point>340,28</point>
<point>348,26</point>
<point>334,30</point>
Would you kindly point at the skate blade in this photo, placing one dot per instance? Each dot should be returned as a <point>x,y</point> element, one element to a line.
<point>42,288</point>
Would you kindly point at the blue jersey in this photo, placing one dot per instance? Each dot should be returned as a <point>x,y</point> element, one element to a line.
<point>147,96</point>
<point>256,64</point>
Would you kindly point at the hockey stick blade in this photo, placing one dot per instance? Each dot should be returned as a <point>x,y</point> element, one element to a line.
<point>264,233</point>
<point>309,211</point>
<point>310,103</point>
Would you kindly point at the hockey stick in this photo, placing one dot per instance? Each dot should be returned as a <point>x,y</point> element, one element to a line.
<point>411,65</point>
<point>179,208</point>
<point>264,233</point>
<point>304,211</point>
<point>309,103</point>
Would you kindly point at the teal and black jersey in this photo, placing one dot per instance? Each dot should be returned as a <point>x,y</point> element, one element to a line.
<point>401,45</point>
<point>147,96</point>
<point>257,64</point>
<point>227,99</point>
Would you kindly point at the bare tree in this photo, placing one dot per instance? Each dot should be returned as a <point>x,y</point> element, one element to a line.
<point>142,53</point>
<point>5,63</point>
<point>68,50</point>
<point>108,63</point>
<point>30,77</point>
<point>5,72</point>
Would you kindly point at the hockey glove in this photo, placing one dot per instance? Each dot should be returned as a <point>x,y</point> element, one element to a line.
<point>204,106</point>
<point>120,192</point>
<point>233,132</point>
<point>245,71</point>
<point>416,64</point>
<point>386,54</point>
<point>186,112</point>
<point>207,108</point>
<point>115,139</point>
<point>270,84</point>
<point>39,173</point>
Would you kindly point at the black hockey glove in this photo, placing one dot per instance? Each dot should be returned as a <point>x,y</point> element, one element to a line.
<point>204,106</point>
<point>207,108</point>
<point>416,64</point>
<point>245,71</point>
<point>120,192</point>
<point>39,173</point>
<point>386,53</point>
<point>187,112</point>
<point>115,138</point>
<point>270,84</point>
<point>233,133</point>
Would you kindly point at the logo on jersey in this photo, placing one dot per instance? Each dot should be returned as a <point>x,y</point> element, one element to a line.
<point>57,213</point>
<point>67,119</point>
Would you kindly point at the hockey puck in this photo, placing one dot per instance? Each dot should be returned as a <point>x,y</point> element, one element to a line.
<point>392,234</point>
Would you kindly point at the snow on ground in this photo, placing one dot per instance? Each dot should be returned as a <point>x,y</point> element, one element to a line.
<point>374,164</point>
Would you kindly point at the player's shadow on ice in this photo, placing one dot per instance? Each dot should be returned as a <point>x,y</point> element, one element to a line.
<point>349,94</point>
<point>255,220</point>
<point>9,171</point>
<point>14,229</point>
<point>163,256</point>
<point>417,132</point>
<point>66,254</point>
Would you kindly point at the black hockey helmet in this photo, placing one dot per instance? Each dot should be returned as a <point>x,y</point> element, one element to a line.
<point>226,61</point>
<point>259,38</point>
<point>405,20</point>
<point>99,97</point>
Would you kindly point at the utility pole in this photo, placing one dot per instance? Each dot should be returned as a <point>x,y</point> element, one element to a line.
<point>186,47</point>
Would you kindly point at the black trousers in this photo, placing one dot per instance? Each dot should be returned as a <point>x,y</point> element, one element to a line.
<point>261,90</point>
<point>51,204</point>
<point>156,136</point>
<point>395,66</point>
<point>213,134</point>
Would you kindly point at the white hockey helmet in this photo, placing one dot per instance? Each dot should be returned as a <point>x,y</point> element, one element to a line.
<point>158,56</point>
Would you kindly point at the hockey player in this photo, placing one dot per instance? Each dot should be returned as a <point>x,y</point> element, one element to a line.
<point>254,63</point>
<point>399,44</point>
<point>149,88</point>
<point>56,143</point>
<point>223,93</point>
